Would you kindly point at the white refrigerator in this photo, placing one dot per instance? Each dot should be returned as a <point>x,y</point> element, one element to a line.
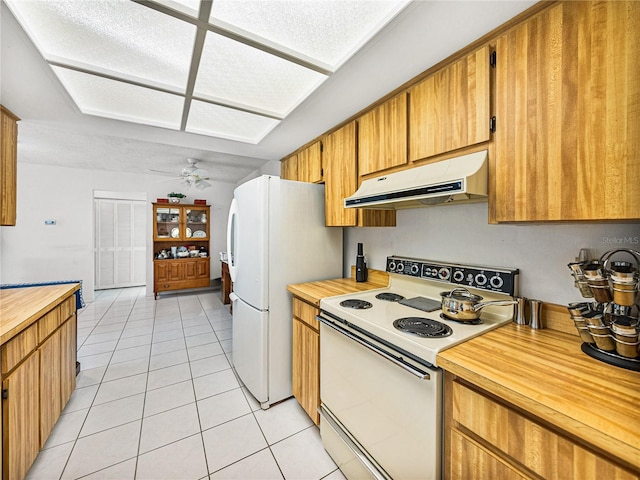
<point>275,236</point>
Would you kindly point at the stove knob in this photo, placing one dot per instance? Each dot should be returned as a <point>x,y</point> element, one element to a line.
<point>400,267</point>
<point>392,266</point>
<point>415,268</point>
<point>481,279</point>
<point>496,281</point>
<point>458,275</point>
<point>443,273</point>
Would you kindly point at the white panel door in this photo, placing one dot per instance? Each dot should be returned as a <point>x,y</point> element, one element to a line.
<point>120,238</point>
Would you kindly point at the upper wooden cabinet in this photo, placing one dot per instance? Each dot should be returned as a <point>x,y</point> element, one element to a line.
<point>450,109</point>
<point>568,116</point>
<point>382,136</point>
<point>8,166</point>
<point>341,180</point>
<point>289,168</point>
<point>310,163</point>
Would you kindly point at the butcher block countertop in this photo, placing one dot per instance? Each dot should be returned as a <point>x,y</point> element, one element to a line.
<point>20,307</point>
<point>545,373</point>
<point>312,292</point>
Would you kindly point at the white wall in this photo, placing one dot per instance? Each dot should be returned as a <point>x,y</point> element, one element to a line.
<point>269,168</point>
<point>460,233</point>
<point>34,252</point>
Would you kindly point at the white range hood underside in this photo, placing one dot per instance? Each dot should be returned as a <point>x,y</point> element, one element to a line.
<point>455,180</point>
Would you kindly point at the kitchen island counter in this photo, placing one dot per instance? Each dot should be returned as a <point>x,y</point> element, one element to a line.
<point>544,374</point>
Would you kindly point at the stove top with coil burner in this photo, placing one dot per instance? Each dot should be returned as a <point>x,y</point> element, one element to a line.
<point>412,278</point>
<point>355,303</point>
<point>422,327</point>
<point>389,297</point>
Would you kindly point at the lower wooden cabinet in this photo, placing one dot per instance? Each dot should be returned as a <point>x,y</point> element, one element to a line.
<point>306,358</point>
<point>486,438</point>
<point>21,418</point>
<point>38,378</point>
<point>180,274</point>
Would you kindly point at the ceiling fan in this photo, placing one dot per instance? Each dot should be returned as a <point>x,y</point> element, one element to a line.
<point>191,175</point>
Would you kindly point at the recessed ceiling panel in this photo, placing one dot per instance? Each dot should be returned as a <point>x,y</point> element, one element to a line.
<point>112,99</point>
<point>122,37</point>
<point>214,120</point>
<point>329,31</point>
<point>232,71</point>
<point>190,7</point>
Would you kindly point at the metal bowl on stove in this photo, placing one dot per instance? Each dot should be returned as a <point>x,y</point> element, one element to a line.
<point>461,304</point>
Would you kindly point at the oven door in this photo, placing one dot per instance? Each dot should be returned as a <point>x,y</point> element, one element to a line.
<point>381,411</point>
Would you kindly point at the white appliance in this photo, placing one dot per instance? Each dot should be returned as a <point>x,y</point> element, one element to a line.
<point>275,236</point>
<point>455,180</point>
<point>381,390</point>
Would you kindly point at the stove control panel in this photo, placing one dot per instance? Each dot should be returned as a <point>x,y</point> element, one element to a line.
<point>495,279</point>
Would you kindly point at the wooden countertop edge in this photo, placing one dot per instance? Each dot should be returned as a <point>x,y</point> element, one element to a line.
<point>40,310</point>
<point>313,292</point>
<point>625,450</point>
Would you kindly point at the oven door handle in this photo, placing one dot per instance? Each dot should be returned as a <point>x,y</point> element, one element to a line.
<point>375,349</point>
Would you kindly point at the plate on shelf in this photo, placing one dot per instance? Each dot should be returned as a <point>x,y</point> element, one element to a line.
<point>175,232</point>
<point>188,232</point>
<point>199,234</point>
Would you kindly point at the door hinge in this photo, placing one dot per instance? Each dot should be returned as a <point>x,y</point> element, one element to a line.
<point>322,172</point>
<point>321,147</point>
<point>5,393</point>
<point>492,59</point>
<point>492,124</point>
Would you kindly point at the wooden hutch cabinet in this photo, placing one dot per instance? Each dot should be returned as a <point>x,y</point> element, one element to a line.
<point>186,228</point>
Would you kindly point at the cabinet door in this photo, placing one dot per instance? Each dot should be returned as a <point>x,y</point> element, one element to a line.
<point>21,419</point>
<point>196,223</point>
<point>568,122</point>
<point>50,384</point>
<point>68,348</point>
<point>382,136</point>
<point>8,166</point>
<point>340,176</point>
<point>167,222</point>
<point>306,368</point>
<point>161,270</point>
<point>341,180</point>
<point>310,164</point>
<point>289,168</point>
<point>202,269</point>
<point>450,109</point>
<point>177,270</point>
<point>190,269</point>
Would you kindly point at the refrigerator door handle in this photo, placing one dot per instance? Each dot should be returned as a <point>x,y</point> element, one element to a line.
<point>232,227</point>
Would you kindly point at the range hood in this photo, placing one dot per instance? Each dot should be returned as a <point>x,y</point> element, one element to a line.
<point>455,180</point>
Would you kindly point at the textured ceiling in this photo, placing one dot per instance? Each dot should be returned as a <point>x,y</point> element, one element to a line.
<point>54,130</point>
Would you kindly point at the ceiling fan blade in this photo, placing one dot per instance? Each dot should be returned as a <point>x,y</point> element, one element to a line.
<point>159,171</point>
<point>202,184</point>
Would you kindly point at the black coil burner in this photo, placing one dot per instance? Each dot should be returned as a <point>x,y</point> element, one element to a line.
<point>422,327</point>
<point>477,321</point>
<point>389,297</point>
<point>355,303</point>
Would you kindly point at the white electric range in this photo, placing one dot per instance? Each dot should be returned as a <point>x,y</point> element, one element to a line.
<point>380,386</point>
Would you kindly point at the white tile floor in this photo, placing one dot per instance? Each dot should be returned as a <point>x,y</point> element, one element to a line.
<point>157,398</point>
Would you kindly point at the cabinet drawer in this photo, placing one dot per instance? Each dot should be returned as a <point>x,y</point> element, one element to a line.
<point>306,312</point>
<point>547,453</point>
<point>470,460</point>
<point>49,323</point>
<point>67,308</point>
<point>19,347</point>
